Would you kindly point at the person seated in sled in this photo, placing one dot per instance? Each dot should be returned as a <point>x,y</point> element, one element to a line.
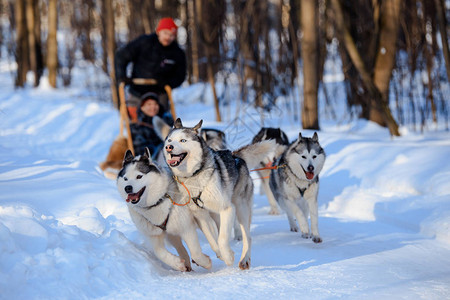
<point>153,56</point>
<point>142,131</point>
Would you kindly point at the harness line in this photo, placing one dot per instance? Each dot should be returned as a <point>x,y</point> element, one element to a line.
<point>173,202</point>
<point>196,200</point>
<point>269,167</point>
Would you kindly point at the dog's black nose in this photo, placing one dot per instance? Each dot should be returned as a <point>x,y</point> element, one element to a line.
<point>169,148</point>
<point>128,189</point>
<point>310,168</point>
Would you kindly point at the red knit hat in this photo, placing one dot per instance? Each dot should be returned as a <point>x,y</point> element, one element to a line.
<point>167,23</point>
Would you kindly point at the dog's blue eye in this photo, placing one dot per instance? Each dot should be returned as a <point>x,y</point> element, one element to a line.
<point>169,140</point>
<point>139,177</point>
<point>183,141</point>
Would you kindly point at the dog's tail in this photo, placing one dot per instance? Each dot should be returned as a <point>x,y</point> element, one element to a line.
<point>260,154</point>
<point>160,127</point>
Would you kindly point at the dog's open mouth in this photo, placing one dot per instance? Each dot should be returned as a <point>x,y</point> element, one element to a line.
<point>176,159</point>
<point>135,197</point>
<point>309,175</point>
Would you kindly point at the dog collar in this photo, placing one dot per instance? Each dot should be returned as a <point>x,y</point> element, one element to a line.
<point>156,204</point>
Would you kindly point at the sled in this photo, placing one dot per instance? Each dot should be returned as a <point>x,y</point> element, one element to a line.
<point>113,162</point>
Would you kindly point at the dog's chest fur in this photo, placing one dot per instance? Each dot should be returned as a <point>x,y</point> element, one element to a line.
<point>157,214</point>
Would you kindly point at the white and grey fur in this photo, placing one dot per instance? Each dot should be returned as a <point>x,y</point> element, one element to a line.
<point>295,184</point>
<point>220,182</point>
<point>214,138</point>
<point>282,141</point>
<point>149,191</point>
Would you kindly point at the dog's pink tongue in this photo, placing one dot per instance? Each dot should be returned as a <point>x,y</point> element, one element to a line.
<point>132,197</point>
<point>309,175</point>
<point>174,160</point>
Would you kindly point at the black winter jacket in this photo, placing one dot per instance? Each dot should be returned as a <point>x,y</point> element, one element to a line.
<point>151,60</point>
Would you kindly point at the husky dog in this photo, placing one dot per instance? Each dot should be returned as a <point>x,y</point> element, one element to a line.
<point>219,182</point>
<point>214,138</point>
<point>295,184</point>
<point>150,192</point>
<point>281,139</point>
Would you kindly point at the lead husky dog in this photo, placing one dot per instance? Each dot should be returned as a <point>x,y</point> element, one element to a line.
<point>214,138</point>
<point>219,182</point>
<point>295,184</point>
<point>149,192</point>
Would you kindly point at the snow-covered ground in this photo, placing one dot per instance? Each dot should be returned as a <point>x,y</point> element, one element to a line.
<point>66,234</point>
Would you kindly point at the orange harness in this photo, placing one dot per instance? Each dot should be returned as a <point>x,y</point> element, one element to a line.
<point>268,167</point>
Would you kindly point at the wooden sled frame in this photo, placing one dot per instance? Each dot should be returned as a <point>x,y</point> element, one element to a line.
<point>124,112</point>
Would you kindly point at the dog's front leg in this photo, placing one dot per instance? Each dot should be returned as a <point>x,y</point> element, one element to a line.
<point>311,199</point>
<point>181,250</point>
<point>226,225</point>
<point>209,228</point>
<point>165,256</point>
<point>191,238</point>
<point>295,210</point>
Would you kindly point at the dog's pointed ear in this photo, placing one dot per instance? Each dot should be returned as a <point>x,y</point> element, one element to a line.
<point>315,137</point>
<point>128,157</point>
<point>177,124</point>
<point>300,136</point>
<point>147,154</point>
<point>198,126</point>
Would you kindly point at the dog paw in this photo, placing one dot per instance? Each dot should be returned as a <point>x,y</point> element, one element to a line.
<point>228,257</point>
<point>244,264</point>
<point>274,211</point>
<point>294,229</point>
<point>181,266</point>
<point>317,239</point>
<point>203,261</point>
<point>305,235</point>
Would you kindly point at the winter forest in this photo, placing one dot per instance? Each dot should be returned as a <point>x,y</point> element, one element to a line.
<point>394,55</point>
<point>369,77</point>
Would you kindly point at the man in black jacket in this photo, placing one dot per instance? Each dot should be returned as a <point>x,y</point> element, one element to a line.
<point>157,56</point>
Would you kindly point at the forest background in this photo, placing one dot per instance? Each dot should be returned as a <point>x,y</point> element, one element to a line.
<point>394,55</point>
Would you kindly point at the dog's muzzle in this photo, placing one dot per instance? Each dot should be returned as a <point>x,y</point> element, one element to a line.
<point>310,173</point>
<point>176,159</point>
<point>133,197</point>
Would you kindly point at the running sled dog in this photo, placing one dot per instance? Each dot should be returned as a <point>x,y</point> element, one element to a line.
<point>218,182</point>
<point>150,193</point>
<point>295,184</point>
<point>282,141</point>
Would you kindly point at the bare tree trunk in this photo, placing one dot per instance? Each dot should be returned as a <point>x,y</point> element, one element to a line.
<point>52,44</point>
<point>145,12</point>
<point>213,88</point>
<point>209,18</point>
<point>32,46</point>
<point>377,101</point>
<point>22,44</point>
<point>194,40</point>
<point>111,46</point>
<point>440,10</point>
<point>310,52</point>
<point>386,52</point>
